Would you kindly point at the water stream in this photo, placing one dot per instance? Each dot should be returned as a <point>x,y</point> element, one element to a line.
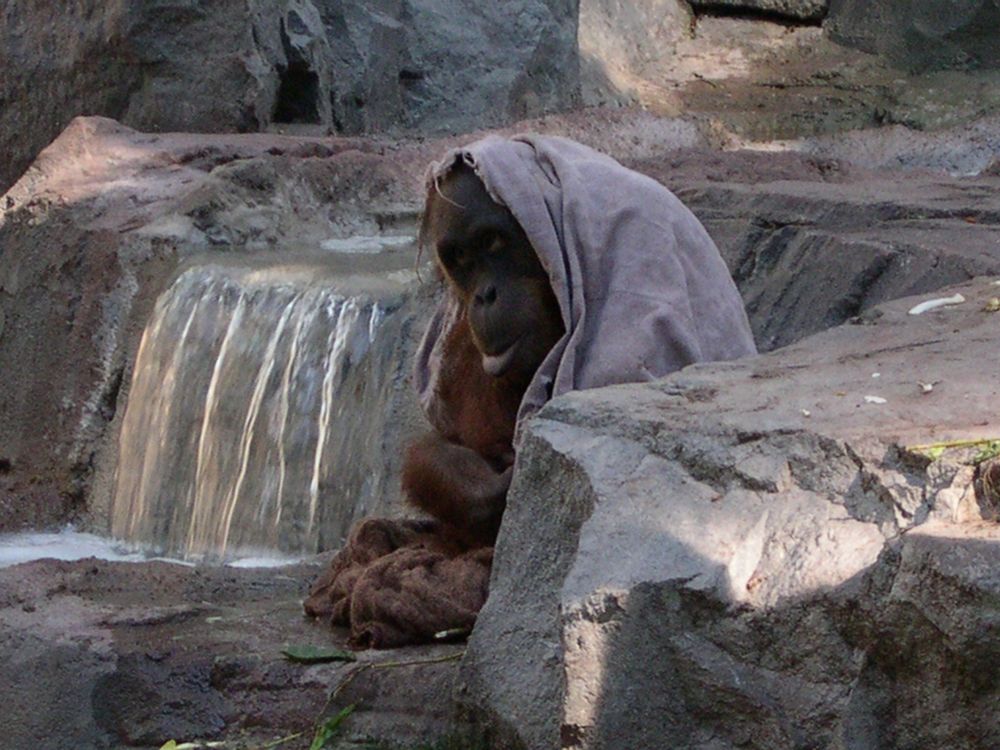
<point>257,412</point>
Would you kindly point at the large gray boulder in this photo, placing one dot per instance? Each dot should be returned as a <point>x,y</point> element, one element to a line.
<point>332,65</point>
<point>212,67</point>
<point>757,554</point>
<point>448,65</point>
<point>920,34</point>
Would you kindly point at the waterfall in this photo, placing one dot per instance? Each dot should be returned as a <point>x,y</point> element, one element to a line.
<point>256,414</point>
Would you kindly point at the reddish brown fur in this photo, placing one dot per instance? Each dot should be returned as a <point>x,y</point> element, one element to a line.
<point>461,477</point>
<point>460,474</point>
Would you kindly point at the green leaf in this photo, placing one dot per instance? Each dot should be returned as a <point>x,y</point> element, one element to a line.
<point>316,654</point>
<point>935,452</point>
<point>989,451</point>
<point>326,730</point>
<point>169,745</point>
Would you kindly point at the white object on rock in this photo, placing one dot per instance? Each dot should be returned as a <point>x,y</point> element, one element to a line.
<point>875,400</point>
<point>933,304</point>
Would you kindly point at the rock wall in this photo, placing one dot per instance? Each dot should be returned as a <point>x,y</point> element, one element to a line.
<point>435,66</point>
<point>920,34</point>
<point>623,45</point>
<point>247,65</point>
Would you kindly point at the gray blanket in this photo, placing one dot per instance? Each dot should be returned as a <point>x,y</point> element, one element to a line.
<point>642,288</point>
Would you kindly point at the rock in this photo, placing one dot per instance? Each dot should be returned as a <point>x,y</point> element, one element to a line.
<point>806,10</point>
<point>450,65</point>
<point>963,151</point>
<point>891,237</point>
<point>160,652</point>
<point>717,559</point>
<point>623,45</point>
<point>329,65</point>
<point>920,34</point>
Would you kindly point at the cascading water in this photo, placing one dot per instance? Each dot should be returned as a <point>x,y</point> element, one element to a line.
<point>254,416</point>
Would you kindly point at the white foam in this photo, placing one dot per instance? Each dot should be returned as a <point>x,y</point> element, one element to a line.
<point>63,545</point>
<point>364,244</point>
<point>70,544</point>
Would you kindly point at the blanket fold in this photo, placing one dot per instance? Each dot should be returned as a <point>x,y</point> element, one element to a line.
<point>398,582</point>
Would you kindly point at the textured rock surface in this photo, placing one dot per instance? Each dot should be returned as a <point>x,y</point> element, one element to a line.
<point>344,66</point>
<point>812,243</point>
<point>625,45</point>
<point>335,65</point>
<point>920,34</point>
<point>89,660</point>
<point>757,77</point>
<point>962,150</point>
<point>750,555</point>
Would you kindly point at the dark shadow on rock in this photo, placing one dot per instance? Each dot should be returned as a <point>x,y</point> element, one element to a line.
<point>877,663</point>
<point>144,702</point>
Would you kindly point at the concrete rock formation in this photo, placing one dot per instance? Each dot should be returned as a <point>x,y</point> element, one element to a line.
<point>756,554</point>
<point>160,652</point>
<point>436,66</point>
<point>623,45</point>
<point>335,65</point>
<point>920,34</point>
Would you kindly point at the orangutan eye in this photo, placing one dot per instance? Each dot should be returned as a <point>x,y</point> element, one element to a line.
<point>494,242</point>
<point>452,255</point>
<point>460,256</point>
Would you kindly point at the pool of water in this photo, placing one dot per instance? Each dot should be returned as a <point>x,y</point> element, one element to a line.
<point>70,544</point>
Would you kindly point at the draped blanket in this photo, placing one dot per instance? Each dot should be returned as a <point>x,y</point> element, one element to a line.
<point>642,290</point>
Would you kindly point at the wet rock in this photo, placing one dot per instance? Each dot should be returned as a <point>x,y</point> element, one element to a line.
<point>98,654</point>
<point>145,703</point>
<point>119,213</point>
<point>718,559</point>
<point>920,34</point>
